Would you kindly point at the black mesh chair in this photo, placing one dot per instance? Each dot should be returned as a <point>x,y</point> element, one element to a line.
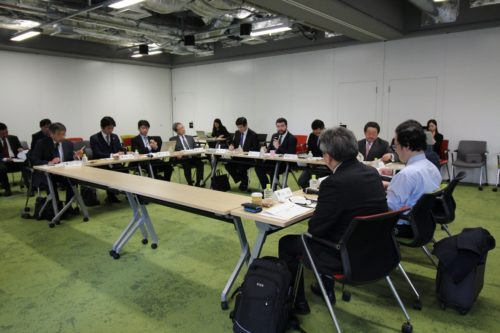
<point>445,205</point>
<point>262,139</point>
<point>369,252</point>
<point>471,155</point>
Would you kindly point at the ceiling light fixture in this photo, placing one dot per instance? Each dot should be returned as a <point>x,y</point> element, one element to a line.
<point>124,3</point>
<point>26,35</point>
<point>136,55</point>
<point>272,26</point>
<point>155,52</point>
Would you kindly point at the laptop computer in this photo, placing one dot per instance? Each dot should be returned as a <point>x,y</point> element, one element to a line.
<point>168,146</point>
<point>202,135</point>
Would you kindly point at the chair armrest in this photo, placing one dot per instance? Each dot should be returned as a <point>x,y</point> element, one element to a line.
<point>323,241</point>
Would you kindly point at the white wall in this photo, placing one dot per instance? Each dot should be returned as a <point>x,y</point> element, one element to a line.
<point>79,93</point>
<point>454,78</point>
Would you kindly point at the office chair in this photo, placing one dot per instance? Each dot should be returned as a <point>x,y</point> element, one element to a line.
<point>498,173</point>
<point>472,155</point>
<point>443,157</point>
<point>368,251</point>
<point>445,205</point>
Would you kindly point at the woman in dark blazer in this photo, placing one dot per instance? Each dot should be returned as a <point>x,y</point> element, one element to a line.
<point>438,137</point>
<point>219,130</point>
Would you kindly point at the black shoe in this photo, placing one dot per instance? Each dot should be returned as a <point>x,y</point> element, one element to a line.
<point>243,186</point>
<point>315,288</point>
<point>301,308</point>
<point>112,199</point>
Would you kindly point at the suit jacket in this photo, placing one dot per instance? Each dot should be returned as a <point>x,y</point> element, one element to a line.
<point>178,145</point>
<point>44,151</point>
<point>439,141</point>
<point>354,189</point>
<point>378,149</point>
<point>35,137</point>
<point>313,146</point>
<point>100,148</point>
<point>251,141</point>
<point>138,144</point>
<point>14,143</point>
<point>221,131</point>
<point>288,146</point>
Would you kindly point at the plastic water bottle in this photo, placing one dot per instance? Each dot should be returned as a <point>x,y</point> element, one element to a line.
<point>310,155</point>
<point>313,182</point>
<point>136,153</point>
<point>85,159</point>
<point>268,195</point>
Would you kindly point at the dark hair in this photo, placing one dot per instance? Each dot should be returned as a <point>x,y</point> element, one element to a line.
<point>411,134</point>
<point>281,120</point>
<point>107,121</point>
<point>56,127</point>
<point>241,121</point>
<point>143,123</point>
<point>217,120</point>
<point>45,122</point>
<point>317,124</point>
<point>340,143</point>
<point>3,127</point>
<point>372,124</point>
<point>432,121</point>
<point>174,126</point>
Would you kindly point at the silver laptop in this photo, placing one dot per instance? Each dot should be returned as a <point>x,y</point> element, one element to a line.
<point>202,135</point>
<point>168,146</point>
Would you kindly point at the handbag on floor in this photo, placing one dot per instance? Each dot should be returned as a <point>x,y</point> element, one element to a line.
<point>220,182</point>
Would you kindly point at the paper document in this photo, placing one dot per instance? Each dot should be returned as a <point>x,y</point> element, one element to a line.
<point>285,211</point>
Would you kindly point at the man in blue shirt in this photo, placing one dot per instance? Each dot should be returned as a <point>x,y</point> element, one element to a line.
<point>418,177</point>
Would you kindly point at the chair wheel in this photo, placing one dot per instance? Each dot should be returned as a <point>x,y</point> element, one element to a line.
<point>52,225</point>
<point>346,296</point>
<point>85,219</point>
<point>224,305</point>
<point>114,254</point>
<point>480,188</point>
<point>154,246</point>
<point>417,305</point>
<point>407,328</point>
<point>145,241</point>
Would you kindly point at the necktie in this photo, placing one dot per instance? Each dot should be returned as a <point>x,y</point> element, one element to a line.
<point>56,150</point>
<point>5,148</point>
<point>368,146</point>
<point>242,139</point>
<point>184,142</point>
<point>108,139</point>
<point>279,139</point>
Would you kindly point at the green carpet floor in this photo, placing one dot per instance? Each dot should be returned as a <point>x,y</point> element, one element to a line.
<point>63,280</point>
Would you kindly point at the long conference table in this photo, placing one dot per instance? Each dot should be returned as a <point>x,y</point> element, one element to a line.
<point>141,190</point>
<point>212,204</point>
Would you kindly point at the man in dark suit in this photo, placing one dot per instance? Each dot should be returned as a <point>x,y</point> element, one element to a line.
<point>282,142</point>
<point>144,144</point>
<point>11,146</point>
<point>42,133</point>
<point>104,144</point>
<point>353,189</point>
<point>318,126</point>
<point>372,146</point>
<point>186,142</point>
<point>246,140</point>
<point>52,150</point>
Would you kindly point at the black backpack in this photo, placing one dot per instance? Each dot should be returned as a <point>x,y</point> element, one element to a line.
<point>264,300</point>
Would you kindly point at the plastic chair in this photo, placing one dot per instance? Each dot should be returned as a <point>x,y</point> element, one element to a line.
<point>443,157</point>
<point>445,205</point>
<point>498,172</point>
<point>369,252</point>
<point>301,144</point>
<point>472,155</point>
<point>75,139</point>
<point>127,141</point>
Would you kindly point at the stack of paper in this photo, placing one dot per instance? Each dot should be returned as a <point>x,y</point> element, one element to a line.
<point>285,211</point>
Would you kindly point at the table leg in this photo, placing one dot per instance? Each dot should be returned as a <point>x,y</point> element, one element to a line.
<point>285,175</point>
<point>275,176</point>
<point>244,256</point>
<point>52,197</point>
<point>263,230</point>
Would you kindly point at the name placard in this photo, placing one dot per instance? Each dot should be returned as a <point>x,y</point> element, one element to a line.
<point>291,156</point>
<point>254,153</point>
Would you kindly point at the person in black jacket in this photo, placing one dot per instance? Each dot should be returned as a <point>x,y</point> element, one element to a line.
<point>318,127</point>
<point>432,127</point>
<point>186,142</point>
<point>42,133</point>
<point>372,147</point>
<point>282,142</point>
<point>247,140</point>
<point>52,150</point>
<point>219,130</point>
<point>104,144</point>
<point>145,144</point>
<point>11,146</point>
<point>353,189</point>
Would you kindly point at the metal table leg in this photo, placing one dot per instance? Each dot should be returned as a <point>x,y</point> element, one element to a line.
<point>263,230</point>
<point>244,256</point>
<point>285,175</point>
<point>52,197</point>
<point>275,176</point>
